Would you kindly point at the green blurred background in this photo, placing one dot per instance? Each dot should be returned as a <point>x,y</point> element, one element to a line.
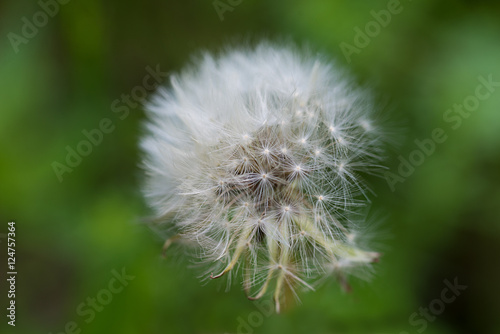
<point>442,222</point>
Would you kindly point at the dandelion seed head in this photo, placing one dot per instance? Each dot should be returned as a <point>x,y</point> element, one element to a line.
<point>236,153</point>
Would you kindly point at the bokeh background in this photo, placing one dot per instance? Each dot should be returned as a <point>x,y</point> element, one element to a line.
<point>441,223</point>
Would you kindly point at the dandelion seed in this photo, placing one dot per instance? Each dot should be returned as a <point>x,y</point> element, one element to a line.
<point>365,125</point>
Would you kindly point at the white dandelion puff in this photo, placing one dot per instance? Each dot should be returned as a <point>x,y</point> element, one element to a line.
<point>255,158</point>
